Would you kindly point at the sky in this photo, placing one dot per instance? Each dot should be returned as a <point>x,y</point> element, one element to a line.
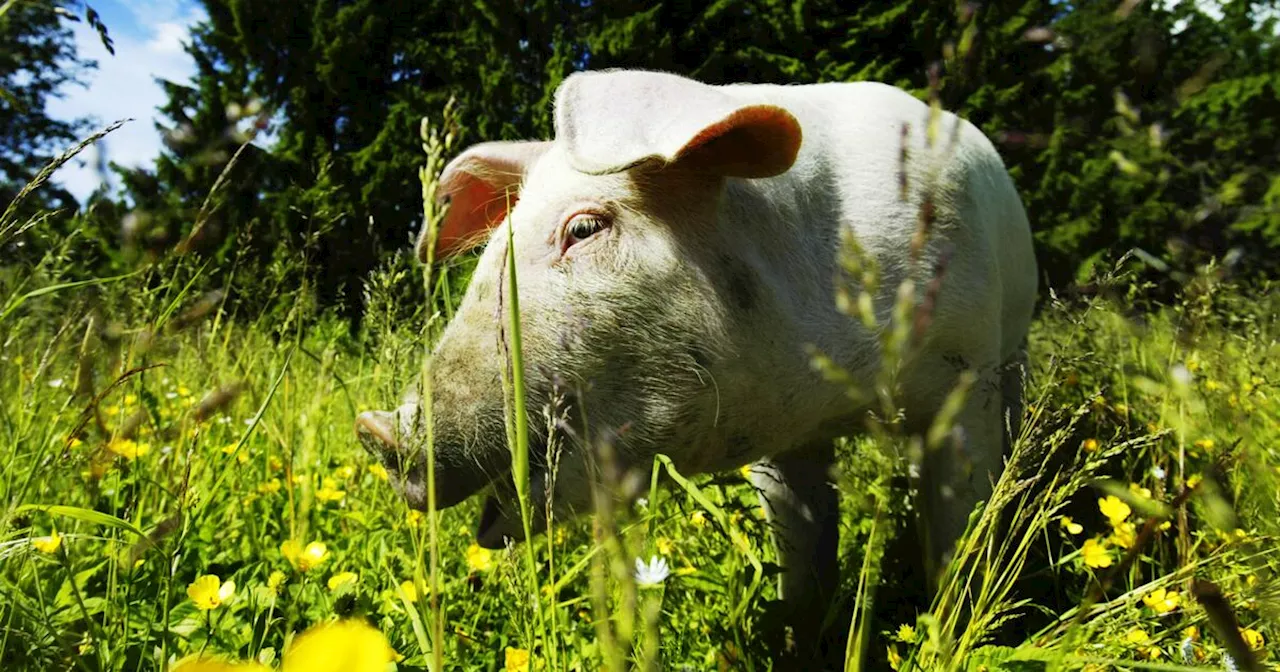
<point>148,36</point>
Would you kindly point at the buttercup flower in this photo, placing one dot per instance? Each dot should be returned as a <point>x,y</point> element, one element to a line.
<point>304,558</point>
<point>1253,638</point>
<point>1124,535</point>
<point>345,472</point>
<point>517,660</point>
<point>128,448</point>
<point>1070,525</point>
<point>1139,491</point>
<point>329,491</point>
<point>664,545</point>
<point>906,634</point>
<point>479,559</point>
<point>1162,601</point>
<point>1114,509</point>
<point>1095,553</point>
<point>343,646</point>
<point>410,591</point>
<point>379,472</point>
<point>698,518</point>
<point>208,592</point>
<point>653,573</point>
<point>1091,445</point>
<point>1205,444</point>
<point>1137,636</point>
<point>49,544</point>
<point>341,579</point>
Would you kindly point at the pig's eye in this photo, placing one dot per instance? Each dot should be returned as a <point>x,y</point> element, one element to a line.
<point>583,226</point>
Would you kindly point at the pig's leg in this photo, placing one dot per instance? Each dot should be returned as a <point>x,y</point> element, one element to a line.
<point>959,473</point>
<point>803,509</point>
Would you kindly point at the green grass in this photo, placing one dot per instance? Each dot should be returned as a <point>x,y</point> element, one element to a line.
<point>164,439</point>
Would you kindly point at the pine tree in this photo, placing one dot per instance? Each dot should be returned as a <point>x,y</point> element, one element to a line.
<point>37,60</point>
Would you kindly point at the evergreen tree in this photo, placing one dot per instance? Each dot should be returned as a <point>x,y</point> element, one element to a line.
<point>37,60</point>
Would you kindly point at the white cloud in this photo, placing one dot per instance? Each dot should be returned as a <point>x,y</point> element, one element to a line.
<point>124,86</point>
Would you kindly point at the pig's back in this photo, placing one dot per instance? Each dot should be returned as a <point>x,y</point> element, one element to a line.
<point>853,142</point>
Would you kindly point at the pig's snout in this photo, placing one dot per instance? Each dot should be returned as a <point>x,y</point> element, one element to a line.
<point>456,479</point>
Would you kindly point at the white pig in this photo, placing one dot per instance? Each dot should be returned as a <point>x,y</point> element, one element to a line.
<point>677,247</point>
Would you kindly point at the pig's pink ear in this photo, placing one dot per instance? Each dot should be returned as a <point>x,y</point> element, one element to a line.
<point>479,186</point>
<point>610,121</point>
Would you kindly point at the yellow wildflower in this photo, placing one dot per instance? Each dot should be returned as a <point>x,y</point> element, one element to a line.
<point>1091,445</point>
<point>1124,535</point>
<point>379,472</point>
<point>304,558</point>
<point>895,659</point>
<point>1137,636</point>
<point>410,591</point>
<point>1139,491</point>
<point>276,580</point>
<point>1253,638</point>
<point>329,491</point>
<point>344,646</point>
<point>207,592</point>
<point>1162,601</point>
<point>341,579</point>
<point>415,517</point>
<point>1205,444</point>
<point>128,448</point>
<point>274,463</point>
<point>75,442</point>
<point>1114,509</point>
<point>1095,553</point>
<point>270,487</point>
<point>745,470</point>
<point>698,518</point>
<point>906,634</point>
<point>345,472</point>
<point>1151,652</point>
<point>479,559</point>
<point>517,660</point>
<point>47,544</point>
<point>665,547</point>
<point>1194,480</point>
<point>1070,525</point>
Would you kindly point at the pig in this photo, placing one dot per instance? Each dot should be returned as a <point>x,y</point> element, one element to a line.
<point>678,252</point>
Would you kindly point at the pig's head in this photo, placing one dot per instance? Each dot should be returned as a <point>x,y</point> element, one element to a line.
<point>636,285</point>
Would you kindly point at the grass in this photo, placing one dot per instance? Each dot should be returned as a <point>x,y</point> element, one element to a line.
<point>154,436</point>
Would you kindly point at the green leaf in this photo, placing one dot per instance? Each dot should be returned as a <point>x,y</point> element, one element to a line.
<point>85,515</point>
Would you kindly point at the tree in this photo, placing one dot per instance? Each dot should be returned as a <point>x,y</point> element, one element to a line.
<point>37,60</point>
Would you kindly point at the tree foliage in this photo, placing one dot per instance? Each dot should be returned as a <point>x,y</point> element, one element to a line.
<point>37,62</point>
<point>1124,124</point>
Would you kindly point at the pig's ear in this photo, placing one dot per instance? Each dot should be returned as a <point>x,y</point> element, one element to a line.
<point>479,186</point>
<point>612,121</point>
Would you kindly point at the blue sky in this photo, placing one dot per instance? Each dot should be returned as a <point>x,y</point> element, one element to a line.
<point>148,36</point>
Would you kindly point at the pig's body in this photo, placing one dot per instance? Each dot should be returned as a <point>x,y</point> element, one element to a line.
<point>678,247</point>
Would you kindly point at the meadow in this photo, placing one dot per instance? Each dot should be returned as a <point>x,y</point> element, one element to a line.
<point>182,484</point>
